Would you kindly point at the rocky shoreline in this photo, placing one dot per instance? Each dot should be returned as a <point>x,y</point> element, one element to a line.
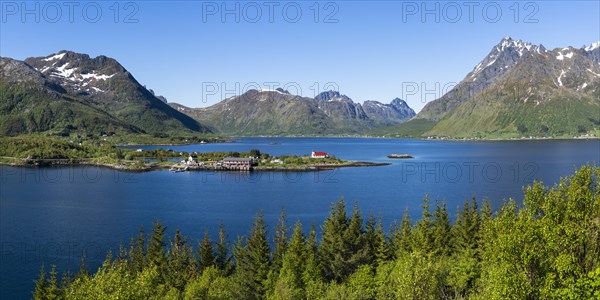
<point>154,167</point>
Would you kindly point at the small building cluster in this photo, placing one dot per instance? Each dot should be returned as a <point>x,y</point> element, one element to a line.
<point>232,163</point>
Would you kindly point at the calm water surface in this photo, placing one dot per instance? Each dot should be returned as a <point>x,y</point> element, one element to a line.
<point>53,215</point>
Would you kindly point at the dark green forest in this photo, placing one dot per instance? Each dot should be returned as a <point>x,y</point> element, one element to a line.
<point>548,247</point>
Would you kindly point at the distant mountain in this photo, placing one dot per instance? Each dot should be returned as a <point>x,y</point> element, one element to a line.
<point>94,93</point>
<point>396,112</point>
<point>277,112</point>
<point>30,102</point>
<point>518,89</point>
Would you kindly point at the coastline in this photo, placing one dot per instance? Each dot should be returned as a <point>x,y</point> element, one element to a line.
<point>466,139</point>
<point>155,167</point>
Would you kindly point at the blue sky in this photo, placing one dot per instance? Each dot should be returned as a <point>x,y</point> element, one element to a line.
<point>369,50</point>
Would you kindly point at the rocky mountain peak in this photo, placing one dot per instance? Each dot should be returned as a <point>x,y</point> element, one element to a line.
<point>503,57</point>
<point>79,73</point>
<point>592,47</point>
<point>331,96</point>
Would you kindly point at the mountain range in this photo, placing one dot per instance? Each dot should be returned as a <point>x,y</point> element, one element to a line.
<point>518,89</point>
<point>277,112</point>
<point>71,92</point>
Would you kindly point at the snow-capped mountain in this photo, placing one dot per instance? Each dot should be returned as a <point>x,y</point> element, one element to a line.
<point>514,76</point>
<point>100,82</point>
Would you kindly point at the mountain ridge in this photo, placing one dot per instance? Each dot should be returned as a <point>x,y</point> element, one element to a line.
<point>277,112</point>
<point>101,83</point>
<point>518,89</point>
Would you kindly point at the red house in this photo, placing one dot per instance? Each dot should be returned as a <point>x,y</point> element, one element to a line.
<point>317,154</point>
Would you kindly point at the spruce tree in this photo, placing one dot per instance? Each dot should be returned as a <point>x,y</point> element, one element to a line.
<point>206,253</point>
<point>179,265</point>
<point>41,286</point>
<point>223,259</point>
<point>281,241</point>
<point>312,273</point>
<point>83,272</point>
<point>253,261</point>
<point>356,246</point>
<point>137,252</point>
<point>403,240</point>
<point>156,246</point>
<point>290,284</point>
<point>371,240</point>
<point>52,290</point>
<point>383,251</point>
<point>441,230</point>
<point>333,252</point>
<point>422,236</point>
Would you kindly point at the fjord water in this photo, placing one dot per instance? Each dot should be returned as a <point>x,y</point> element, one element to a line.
<point>54,215</point>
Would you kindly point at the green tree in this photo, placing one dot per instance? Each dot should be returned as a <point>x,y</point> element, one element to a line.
<point>253,261</point>
<point>333,251</point>
<point>41,286</point>
<point>402,238</point>
<point>180,264</point>
<point>422,235</point>
<point>156,246</point>
<point>52,290</point>
<point>312,275</point>
<point>290,284</point>
<point>206,253</point>
<point>137,253</point>
<point>281,241</point>
<point>440,230</point>
<point>223,259</point>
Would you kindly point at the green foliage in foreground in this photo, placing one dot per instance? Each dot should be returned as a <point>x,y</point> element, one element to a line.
<point>547,249</point>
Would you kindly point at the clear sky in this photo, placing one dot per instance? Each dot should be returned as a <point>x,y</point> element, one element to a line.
<point>198,52</point>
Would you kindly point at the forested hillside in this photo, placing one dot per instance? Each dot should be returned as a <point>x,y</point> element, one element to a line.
<point>548,248</point>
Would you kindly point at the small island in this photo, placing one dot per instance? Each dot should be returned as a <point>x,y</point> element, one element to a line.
<point>254,160</point>
<point>400,156</point>
<point>37,151</point>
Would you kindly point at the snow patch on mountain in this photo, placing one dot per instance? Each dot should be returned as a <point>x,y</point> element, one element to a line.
<point>592,47</point>
<point>62,71</point>
<point>95,76</point>
<point>57,56</point>
<point>593,72</point>
<point>562,73</point>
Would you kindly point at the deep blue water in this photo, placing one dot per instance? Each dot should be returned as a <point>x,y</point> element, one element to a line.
<point>53,215</point>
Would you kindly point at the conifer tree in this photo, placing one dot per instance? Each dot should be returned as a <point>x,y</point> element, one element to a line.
<point>441,230</point>
<point>403,239</point>
<point>137,252</point>
<point>290,284</point>
<point>180,265</point>
<point>223,259</point>
<point>281,241</point>
<point>312,272</point>
<point>253,261</point>
<point>383,251</point>
<point>206,253</point>
<point>422,237</point>
<point>371,240</point>
<point>156,246</point>
<point>333,252</point>
<point>356,246</point>
<point>41,286</point>
<point>52,290</point>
